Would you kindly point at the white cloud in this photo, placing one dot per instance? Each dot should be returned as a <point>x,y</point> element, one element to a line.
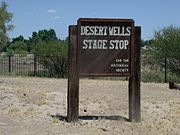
<point>57,17</point>
<point>51,11</point>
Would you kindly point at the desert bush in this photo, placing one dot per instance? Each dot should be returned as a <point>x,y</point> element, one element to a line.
<point>53,56</point>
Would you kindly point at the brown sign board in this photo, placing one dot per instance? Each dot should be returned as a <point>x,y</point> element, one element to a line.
<point>105,47</point>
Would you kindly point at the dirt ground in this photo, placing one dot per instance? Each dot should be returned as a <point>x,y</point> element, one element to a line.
<point>37,106</point>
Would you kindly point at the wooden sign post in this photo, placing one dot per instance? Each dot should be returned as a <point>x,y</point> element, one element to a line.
<point>73,78</point>
<point>134,80</point>
<point>101,48</point>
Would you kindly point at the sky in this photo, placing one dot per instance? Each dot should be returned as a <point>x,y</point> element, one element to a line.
<point>35,15</point>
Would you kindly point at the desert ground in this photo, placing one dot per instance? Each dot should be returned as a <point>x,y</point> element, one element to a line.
<point>38,106</point>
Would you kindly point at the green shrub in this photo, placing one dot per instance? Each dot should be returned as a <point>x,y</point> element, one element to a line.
<point>53,56</point>
<point>152,76</point>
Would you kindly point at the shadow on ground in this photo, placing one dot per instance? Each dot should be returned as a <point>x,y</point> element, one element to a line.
<point>114,117</point>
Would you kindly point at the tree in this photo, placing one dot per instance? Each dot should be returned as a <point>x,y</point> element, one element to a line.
<point>41,36</point>
<point>18,46</point>
<point>45,35</point>
<point>166,44</point>
<point>53,56</point>
<point>5,17</point>
<point>19,38</point>
<point>51,51</point>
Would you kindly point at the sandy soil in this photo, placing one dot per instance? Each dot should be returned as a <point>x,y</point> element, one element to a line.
<point>29,106</point>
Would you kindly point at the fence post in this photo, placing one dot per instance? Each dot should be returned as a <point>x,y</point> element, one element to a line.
<point>165,70</point>
<point>35,66</point>
<point>9,64</point>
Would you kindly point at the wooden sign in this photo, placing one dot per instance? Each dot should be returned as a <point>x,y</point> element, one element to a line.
<point>104,47</point>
